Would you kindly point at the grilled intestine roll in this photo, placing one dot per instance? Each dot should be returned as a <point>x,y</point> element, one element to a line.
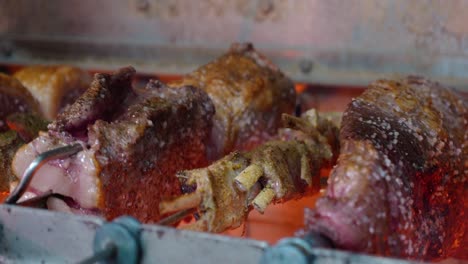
<point>53,87</point>
<point>277,171</point>
<point>249,94</point>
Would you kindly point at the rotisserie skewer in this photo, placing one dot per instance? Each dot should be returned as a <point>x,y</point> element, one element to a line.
<point>136,137</point>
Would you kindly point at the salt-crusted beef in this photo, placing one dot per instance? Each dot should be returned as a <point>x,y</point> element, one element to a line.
<point>400,184</point>
<point>136,139</point>
<point>249,93</point>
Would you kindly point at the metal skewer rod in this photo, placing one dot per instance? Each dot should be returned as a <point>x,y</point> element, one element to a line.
<point>172,219</point>
<point>36,164</point>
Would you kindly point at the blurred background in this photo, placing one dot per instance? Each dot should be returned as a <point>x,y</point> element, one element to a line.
<point>333,42</point>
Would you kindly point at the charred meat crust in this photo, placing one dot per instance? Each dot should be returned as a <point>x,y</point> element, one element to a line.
<point>106,93</point>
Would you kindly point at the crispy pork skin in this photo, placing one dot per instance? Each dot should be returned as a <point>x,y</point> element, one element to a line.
<point>134,141</point>
<point>249,94</point>
<point>400,185</point>
<point>54,87</point>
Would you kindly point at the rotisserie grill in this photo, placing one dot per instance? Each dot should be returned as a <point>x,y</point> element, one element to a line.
<point>264,131</point>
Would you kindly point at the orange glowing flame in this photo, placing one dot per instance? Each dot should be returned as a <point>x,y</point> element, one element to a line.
<point>3,196</point>
<point>300,87</point>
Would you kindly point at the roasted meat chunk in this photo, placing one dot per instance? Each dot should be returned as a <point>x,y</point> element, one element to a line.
<point>400,186</point>
<point>249,94</point>
<point>276,171</point>
<point>134,141</point>
<point>53,87</point>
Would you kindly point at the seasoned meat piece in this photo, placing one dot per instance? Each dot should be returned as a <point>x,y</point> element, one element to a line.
<point>54,87</point>
<point>277,171</point>
<point>131,153</point>
<point>14,97</point>
<point>249,94</point>
<point>400,185</point>
<point>101,101</point>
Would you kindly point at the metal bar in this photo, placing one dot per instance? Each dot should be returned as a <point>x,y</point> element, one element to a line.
<point>30,235</point>
<point>172,219</point>
<point>66,238</point>
<point>105,254</point>
<point>42,158</point>
<point>342,42</point>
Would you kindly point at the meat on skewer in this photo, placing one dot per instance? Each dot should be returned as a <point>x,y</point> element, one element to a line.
<point>249,94</point>
<point>134,141</point>
<point>277,171</point>
<point>104,116</point>
<point>400,186</point>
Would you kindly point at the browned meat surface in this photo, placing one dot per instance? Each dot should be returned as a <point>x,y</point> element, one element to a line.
<point>277,171</point>
<point>54,87</point>
<point>135,140</point>
<point>249,94</point>
<point>14,98</point>
<point>101,101</point>
<point>400,185</point>
<point>155,138</point>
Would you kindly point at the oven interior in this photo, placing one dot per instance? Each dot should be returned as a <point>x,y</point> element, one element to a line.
<point>331,49</point>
